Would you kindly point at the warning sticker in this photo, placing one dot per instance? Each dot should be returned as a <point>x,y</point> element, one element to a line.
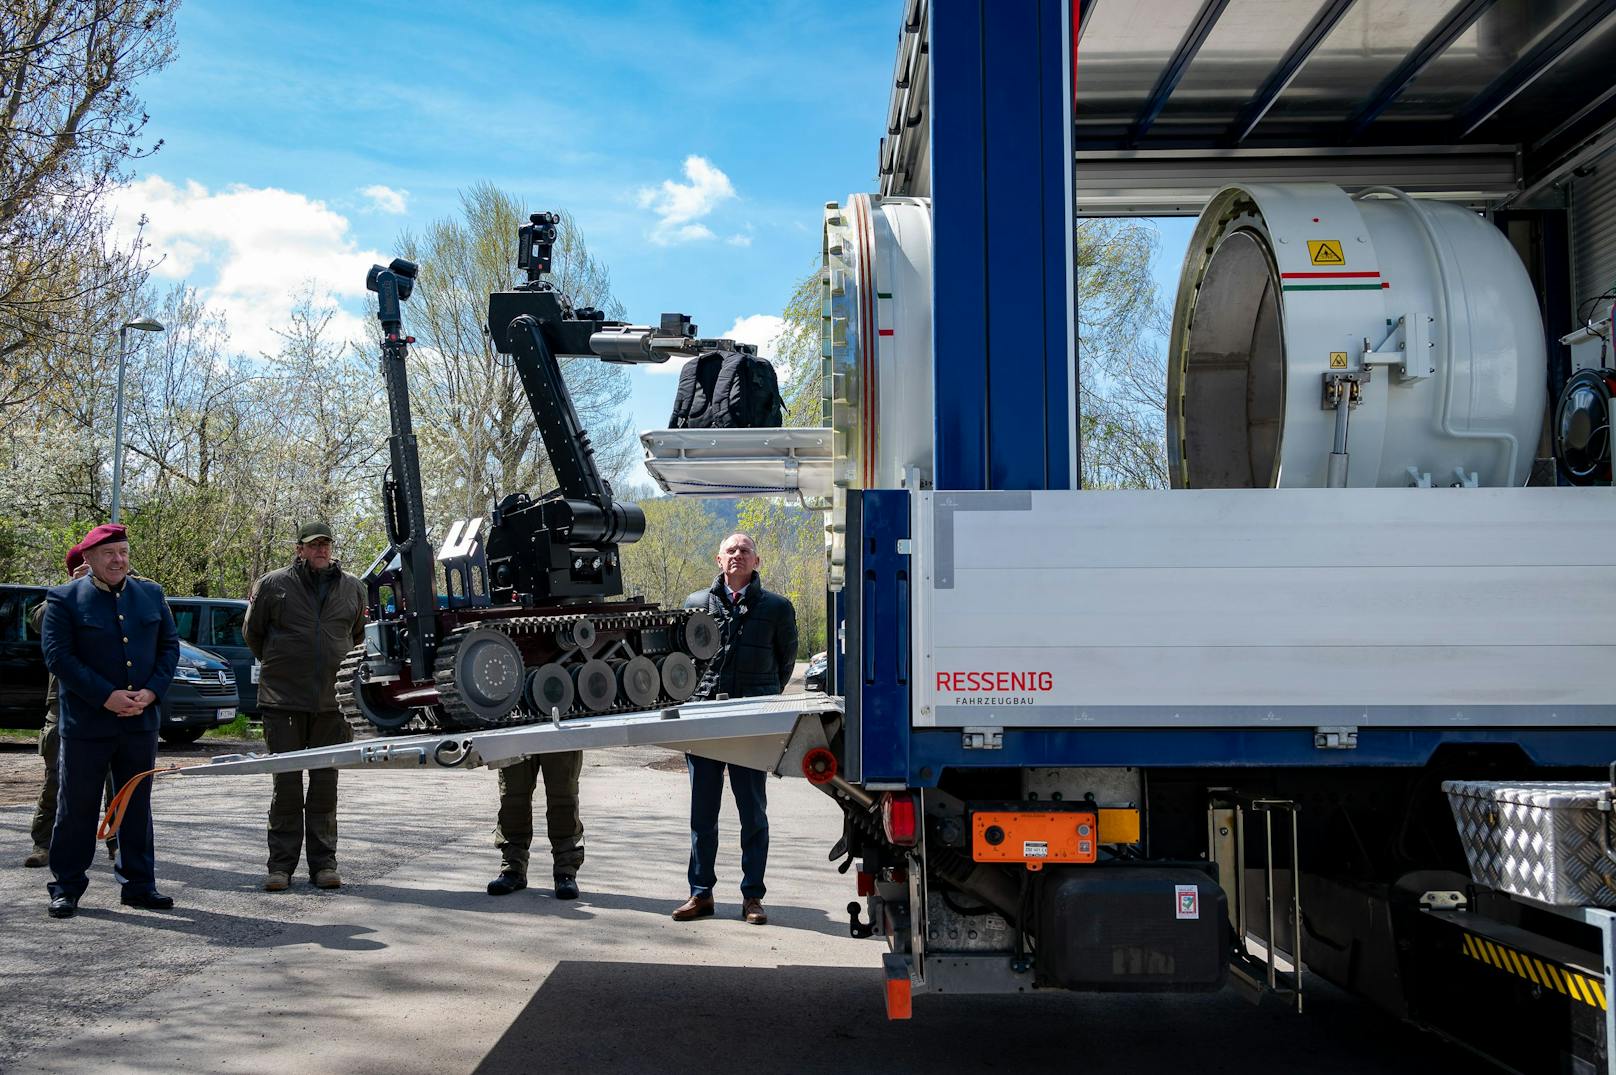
<point>1189,901</point>
<point>1338,360</point>
<point>1325,252</point>
<point>1035,849</point>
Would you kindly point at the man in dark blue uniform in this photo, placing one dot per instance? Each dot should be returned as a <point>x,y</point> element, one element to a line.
<point>109,640</point>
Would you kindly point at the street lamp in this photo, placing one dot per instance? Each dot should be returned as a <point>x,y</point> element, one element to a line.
<point>145,324</point>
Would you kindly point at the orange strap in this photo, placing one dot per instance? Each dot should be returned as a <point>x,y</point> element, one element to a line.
<point>120,802</point>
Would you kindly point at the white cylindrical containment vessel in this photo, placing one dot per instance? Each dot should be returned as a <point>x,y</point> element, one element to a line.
<point>876,346</point>
<point>1326,340</point>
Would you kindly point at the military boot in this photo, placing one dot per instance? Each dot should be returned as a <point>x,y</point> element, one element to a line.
<point>507,882</point>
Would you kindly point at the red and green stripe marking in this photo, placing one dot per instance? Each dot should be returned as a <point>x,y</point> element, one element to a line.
<point>1332,281</point>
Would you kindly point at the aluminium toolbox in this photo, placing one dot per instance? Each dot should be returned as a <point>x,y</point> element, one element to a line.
<point>1550,841</point>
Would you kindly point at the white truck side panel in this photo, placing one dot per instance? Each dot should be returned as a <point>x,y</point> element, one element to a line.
<point>1266,607</point>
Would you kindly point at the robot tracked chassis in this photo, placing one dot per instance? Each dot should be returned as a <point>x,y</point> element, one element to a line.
<point>519,626</point>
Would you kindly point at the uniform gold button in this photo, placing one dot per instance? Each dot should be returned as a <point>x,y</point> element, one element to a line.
<point>126,640</point>
<point>120,617</point>
<point>129,664</point>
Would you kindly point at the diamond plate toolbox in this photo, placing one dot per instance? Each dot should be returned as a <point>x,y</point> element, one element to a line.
<point>1549,841</point>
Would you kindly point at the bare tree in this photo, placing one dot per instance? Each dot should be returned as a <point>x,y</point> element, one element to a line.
<point>1123,374</point>
<point>69,121</point>
<point>479,439</point>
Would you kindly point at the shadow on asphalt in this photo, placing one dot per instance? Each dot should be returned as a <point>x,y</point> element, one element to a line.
<point>718,1020</point>
<point>538,899</point>
<point>236,931</point>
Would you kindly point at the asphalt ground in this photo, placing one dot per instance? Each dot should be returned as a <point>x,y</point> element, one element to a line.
<point>413,967</point>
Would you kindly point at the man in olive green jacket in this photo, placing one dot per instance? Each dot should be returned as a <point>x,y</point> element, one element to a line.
<point>301,621</point>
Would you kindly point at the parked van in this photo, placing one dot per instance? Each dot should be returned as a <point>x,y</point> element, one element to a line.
<point>202,696</point>
<point>215,624</point>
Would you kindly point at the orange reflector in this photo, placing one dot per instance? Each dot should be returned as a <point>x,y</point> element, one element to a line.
<point>1119,826</point>
<point>898,1001</point>
<point>898,990</point>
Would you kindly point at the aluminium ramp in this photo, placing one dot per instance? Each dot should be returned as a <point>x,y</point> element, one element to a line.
<point>767,733</point>
<point>728,463</point>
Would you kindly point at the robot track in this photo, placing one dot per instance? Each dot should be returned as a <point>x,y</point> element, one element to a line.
<point>501,672</point>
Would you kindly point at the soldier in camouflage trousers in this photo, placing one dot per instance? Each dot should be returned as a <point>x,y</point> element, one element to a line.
<point>513,834</point>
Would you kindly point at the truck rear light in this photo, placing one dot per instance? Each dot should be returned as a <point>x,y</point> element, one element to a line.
<point>866,883</point>
<point>900,819</point>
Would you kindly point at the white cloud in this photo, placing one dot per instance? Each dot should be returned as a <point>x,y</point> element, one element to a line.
<point>739,240</point>
<point>679,206</point>
<point>385,199</point>
<point>251,252</point>
<point>764,330</point>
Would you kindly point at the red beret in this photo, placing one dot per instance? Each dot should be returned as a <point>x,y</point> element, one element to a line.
<point>99,536</point>
<point>75,559</point>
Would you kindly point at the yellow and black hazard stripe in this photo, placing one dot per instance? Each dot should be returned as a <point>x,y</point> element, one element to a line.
<point>1578,985</point>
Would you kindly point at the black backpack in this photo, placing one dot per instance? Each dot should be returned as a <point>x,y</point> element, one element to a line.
<point>727,390</point>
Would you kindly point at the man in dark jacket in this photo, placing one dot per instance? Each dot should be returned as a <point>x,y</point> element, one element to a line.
<point>760,647</point>
<point>109,640</point>
<point>301,622</point>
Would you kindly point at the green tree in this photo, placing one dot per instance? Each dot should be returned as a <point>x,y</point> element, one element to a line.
<point>790,541</point>
<point>675,557</point>
<point>798,360</point>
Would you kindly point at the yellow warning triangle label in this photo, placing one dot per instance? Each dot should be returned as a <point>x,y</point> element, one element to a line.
<point>1325,252</point>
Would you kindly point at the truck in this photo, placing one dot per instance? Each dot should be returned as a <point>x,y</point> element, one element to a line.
<point>1338,703</point>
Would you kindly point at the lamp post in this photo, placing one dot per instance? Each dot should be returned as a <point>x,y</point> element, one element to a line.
<point>145,324</point>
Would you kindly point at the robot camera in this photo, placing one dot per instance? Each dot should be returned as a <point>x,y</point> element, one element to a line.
<point>536,238</point>
<point>403,271</point>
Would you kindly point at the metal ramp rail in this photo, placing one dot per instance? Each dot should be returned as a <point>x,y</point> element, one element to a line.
<point>770,733</point>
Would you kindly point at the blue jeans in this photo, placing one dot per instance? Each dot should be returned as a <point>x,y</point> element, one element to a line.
<point>751,802</point>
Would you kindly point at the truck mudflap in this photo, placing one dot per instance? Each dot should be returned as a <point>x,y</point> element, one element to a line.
<point>771,733</point>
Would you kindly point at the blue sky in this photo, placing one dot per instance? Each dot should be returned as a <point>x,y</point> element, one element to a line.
<point>694,143</point>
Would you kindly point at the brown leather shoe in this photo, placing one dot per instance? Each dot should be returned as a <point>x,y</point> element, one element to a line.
<point>752,910</point>
<point>694,907</point>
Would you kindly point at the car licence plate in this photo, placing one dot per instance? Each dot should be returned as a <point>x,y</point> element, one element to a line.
<point>225,716</point>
